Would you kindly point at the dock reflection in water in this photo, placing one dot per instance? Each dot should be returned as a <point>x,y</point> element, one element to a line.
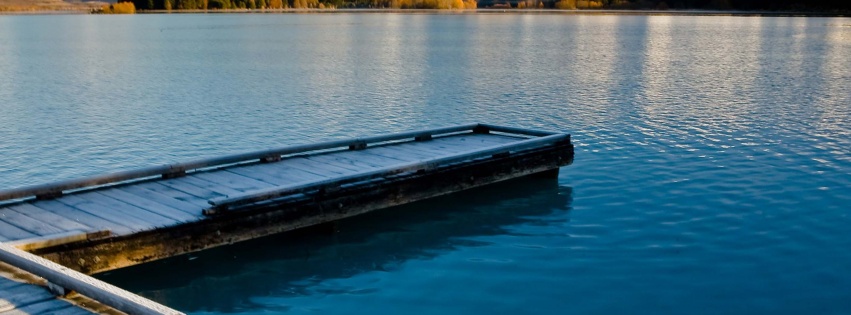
<point>296,264</point>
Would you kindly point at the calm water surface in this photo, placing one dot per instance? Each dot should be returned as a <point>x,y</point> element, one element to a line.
<point>712,173</point>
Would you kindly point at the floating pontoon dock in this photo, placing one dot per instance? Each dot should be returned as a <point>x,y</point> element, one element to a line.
<point>115,220</point>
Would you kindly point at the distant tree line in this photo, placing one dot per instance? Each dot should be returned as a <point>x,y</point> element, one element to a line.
<point>770,5</point>
<point>210,4</point>
<point>747,5</point>
<point>297,4</point>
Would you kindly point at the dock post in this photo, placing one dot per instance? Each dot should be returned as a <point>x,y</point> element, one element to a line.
<point>481,130</point>
<point>358,145</point>
<point>174,174</point>
<point>270,159</point>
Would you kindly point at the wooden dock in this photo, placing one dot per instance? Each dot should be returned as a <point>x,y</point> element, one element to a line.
<point>32,285</point>
<point>22,293</point>
<point>115,220</point>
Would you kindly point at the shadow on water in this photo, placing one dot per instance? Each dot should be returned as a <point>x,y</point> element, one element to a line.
<point>290,264</point>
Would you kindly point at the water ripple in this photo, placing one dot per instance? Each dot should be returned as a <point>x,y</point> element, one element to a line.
<point>712,172</point>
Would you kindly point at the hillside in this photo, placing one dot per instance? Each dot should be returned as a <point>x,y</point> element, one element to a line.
<point>47,5</point>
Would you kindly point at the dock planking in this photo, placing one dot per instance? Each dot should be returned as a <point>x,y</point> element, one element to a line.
<point>33,285</point>
<point>21,293</point>
<point>158,212</point>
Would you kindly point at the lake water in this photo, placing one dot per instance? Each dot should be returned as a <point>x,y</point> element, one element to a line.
<point>712,172</point>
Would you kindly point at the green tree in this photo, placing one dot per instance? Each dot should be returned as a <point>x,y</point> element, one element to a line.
<point>219,4</point>
<point>144,4</point>
<point>186,4</point>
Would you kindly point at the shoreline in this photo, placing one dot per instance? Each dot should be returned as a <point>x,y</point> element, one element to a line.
<point>75,11</point>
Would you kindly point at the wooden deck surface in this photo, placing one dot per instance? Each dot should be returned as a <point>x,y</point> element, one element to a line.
<point>24,298</point>
<point>149,205</point>
<point>21,293</point>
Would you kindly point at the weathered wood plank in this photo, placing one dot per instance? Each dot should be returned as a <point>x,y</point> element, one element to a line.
<point>308,166</point>
<point>286,170</point>
<point>6,285</point>
<point>197,187</point>
<point>285,174</point>
<point>23,295</point>
<point>113,205</point>
<point>149,205</point>
<point>13,217</point>
<point>233,181</point>
<point>439,146</point>
<point>133,222</point>
<point>209,186</point>
<point>352,158</point>
<point>338,169</point>
<point>427,149</point>
<point>51,218</point>
<point>259,175</point>
<point>156,189</point>
<point>83,217</point>
<point>478,141</point>
<point>44,307</point>
<point>412,149</point>
<point>304,162</point>
<point>376,160</point>
<point>393,154</point>
<point>341,161</point>
<point>459,147</point>
<point>462,143</point>
<point>10,232</point>
<point>333,162</point>
<point>173,202</point>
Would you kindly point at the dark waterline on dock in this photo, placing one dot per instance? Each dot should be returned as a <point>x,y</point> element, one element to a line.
<point>712,169</point>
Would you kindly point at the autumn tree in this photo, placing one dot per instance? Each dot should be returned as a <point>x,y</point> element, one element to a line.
<point>566,5</point>
<point>123,7</point>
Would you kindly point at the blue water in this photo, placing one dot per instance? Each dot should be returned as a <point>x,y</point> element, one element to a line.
<point>712,172</point>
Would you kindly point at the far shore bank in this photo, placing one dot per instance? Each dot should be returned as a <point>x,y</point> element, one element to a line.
<point>472,11</point>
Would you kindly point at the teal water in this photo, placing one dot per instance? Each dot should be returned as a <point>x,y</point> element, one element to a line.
<point>712,172</point>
